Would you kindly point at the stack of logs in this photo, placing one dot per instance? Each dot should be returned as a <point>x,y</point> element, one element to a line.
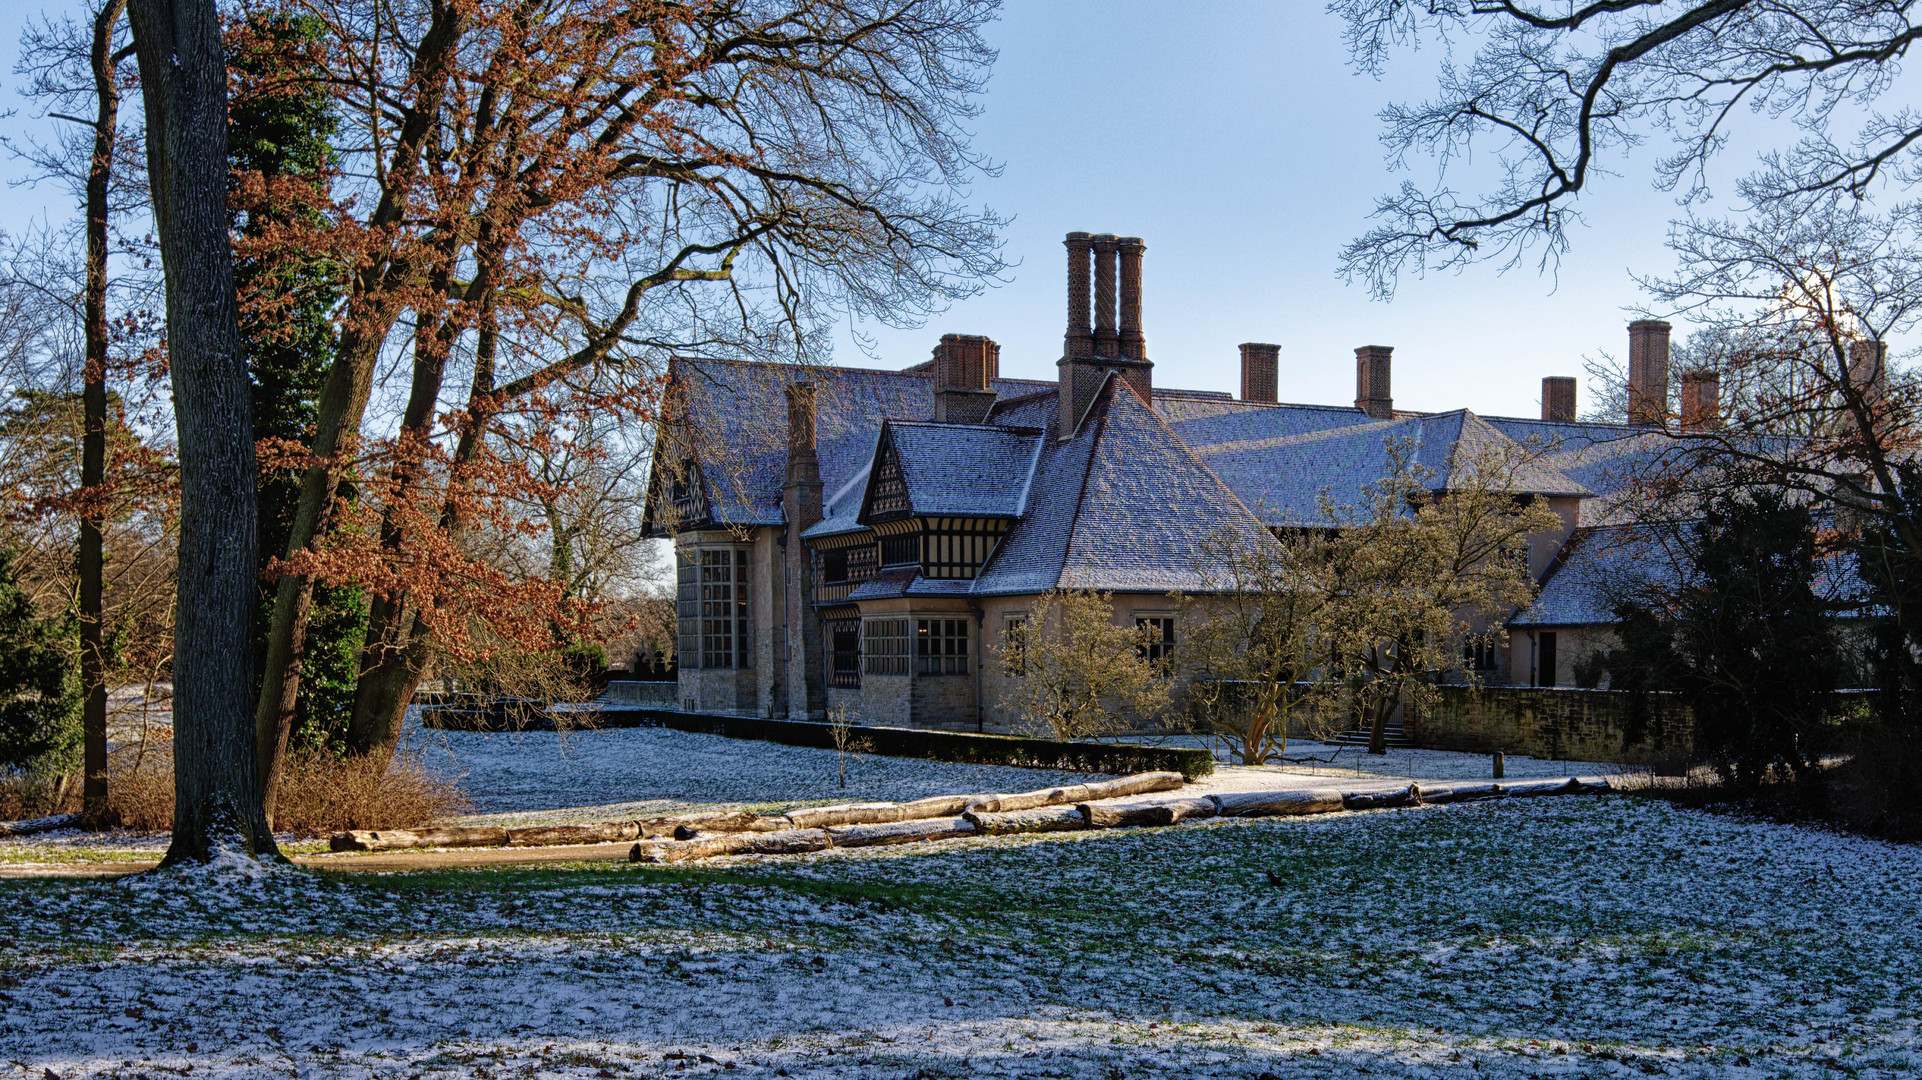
<point>1083,806</point>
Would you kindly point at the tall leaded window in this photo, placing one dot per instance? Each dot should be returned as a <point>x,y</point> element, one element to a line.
<point>941,647</point>
<point>886,646</point>
<point>1014,645</point>
<point>687,608</point>
<point>724,628</point>
<point>844,653</point>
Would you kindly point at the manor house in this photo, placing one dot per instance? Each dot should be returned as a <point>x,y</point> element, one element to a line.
<point>867,537</point>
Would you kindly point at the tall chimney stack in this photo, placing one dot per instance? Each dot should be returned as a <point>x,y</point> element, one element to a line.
<point>801,506</point>
<point>1372,394</point>
<point>1079,340</point>
<point>1260,372</point>
<point>1868,367</point>
<point>1701,401</point>
<point>1648,372</point>
<point>1134,344</point>
<point>1107,340</point>
<point>965,367</point>
<point>1558,399</point>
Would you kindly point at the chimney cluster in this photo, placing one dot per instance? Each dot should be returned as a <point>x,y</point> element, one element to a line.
<point>965,367</point>
<point>1260,372</point>
<point>1372,394</point>
<point>1104,330</point>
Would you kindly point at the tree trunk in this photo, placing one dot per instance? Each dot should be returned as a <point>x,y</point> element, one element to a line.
<point>93,439</point>
<point>372,310</point>
<point>183,76</point>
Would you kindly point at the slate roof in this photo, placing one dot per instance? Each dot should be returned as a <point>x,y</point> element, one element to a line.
<point>1599,563</point>
<point>965,469</point>
<point>1122,506</point>
<point>1279,458</point>
<point>735,415</point>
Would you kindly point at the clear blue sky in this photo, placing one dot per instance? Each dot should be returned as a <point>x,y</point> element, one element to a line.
<point>1233,137</point>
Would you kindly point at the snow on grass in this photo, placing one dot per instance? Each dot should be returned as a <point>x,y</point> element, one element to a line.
<point>1598,936</point>
<point>516,777</point>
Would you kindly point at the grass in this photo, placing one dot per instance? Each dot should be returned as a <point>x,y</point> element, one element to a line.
<point>1606,936</point>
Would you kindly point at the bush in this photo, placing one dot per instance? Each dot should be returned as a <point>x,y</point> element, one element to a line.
<point>39,685</point>
<point>319,793</point>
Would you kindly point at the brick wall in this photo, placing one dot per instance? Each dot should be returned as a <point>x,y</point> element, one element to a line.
<point>1556,723</point>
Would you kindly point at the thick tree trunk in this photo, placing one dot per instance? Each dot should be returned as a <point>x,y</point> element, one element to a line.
<point>93,439</point>
<point>183,76</point>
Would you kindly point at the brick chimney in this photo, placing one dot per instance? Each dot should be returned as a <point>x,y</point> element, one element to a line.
<point>1701,401</point>
<point>965,367</point>
<point>1107,339</point>
<point>1648,372</point>
<point>1372,394</point>
<point>1260,371</point>
<point>1558,399</point>
<point>1079,340</point>
<point>1134,344</point>
<point>1097,342</point>
<point>1869,367</point>
<point>801,506</point>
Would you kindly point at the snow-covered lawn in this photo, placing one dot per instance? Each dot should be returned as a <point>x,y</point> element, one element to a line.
<point>620,773</point>
<point>1598,936</point>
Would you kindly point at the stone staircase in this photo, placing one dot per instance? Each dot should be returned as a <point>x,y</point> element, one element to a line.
<point>1397,738</point>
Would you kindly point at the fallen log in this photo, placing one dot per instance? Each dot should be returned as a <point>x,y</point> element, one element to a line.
<point>398,839</point>
<point>940,806</point>
<point>1138,784</point>
<point>1040,819</point>
<point>1524,789</point>
<point>555,835</point>
<point>1135,814</point>
<point>1472,793</point>
<point>900,832</point>
<point>39,825</point>
<point>1277,803</point>
<point>1381,800</point>
<point>782,842</point>
<point>713,821</point>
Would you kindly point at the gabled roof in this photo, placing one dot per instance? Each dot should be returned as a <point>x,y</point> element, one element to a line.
<point>734,422</point>
<point>964,469</point>
<point>1279,458</point>
<point>1122,506</point>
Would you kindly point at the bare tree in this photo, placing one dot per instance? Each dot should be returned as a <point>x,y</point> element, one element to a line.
<point>183,76</point>
<point>1424,563</point>
<point>1554,94</point>
<point>1260,643</point>
<point>1079,674</point>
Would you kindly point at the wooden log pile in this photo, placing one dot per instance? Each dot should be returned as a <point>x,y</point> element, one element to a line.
<point>1097,805</point>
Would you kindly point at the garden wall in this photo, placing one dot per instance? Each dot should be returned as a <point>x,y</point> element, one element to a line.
<point>1554,723</point>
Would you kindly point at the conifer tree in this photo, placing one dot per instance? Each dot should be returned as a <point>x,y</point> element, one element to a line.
<point>39,683</point>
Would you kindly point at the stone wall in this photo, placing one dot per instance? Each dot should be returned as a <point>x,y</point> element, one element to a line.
<point>1554,723</point>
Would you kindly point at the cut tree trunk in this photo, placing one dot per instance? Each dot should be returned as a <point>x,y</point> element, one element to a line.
<point>1137,784</point>
<point>785,842</point>
<point>879,813</point>
<point>1277,803</point>
<point>716,821</point>
<point>183,82</point>
<point>398,839</point>
<point>1378,800</point>
<point>555,835</point>
<point>1039,820</point>
<point>1111,815</point>
<point>900,832</point>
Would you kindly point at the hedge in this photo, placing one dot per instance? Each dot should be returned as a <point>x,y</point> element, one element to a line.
<point>957,746</point>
